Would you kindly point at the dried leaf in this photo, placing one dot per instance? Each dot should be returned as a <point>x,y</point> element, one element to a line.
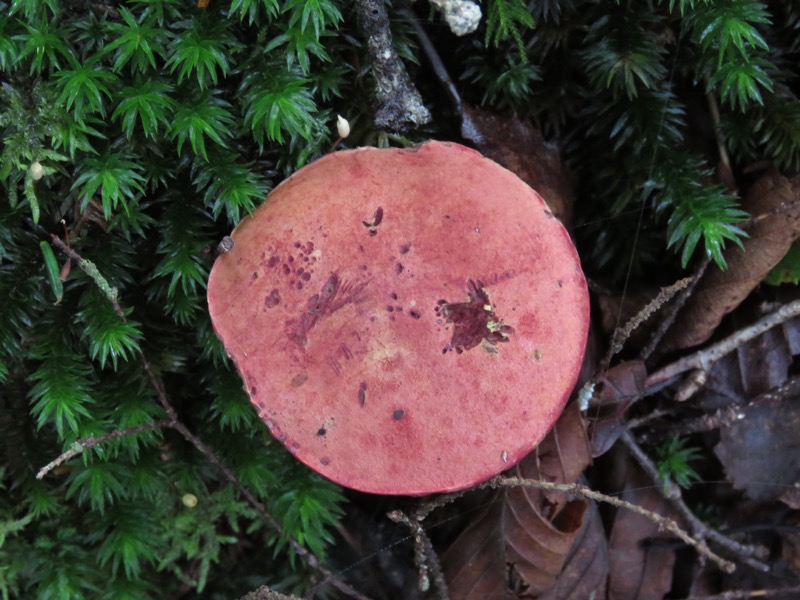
<point>774,202</point>
<point>585,571</point>
<point>521,149</point>
<point>525,538</point>
<point>640,559</point>
<point>622,385</point>
<point>759,451</point>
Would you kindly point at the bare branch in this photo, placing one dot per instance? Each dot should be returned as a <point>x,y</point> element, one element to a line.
<point>400,106</point>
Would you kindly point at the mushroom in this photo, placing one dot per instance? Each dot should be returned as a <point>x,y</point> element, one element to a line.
<point>406,321</point>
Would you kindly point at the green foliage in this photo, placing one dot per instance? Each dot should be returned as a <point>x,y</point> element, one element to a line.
<point>506,19</point>
<point>734,59</point>
<point>151,128</point>
<point>673,459</point>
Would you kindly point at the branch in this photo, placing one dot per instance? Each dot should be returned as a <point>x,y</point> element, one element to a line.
<point>400,106</point>
<point>704,359</point>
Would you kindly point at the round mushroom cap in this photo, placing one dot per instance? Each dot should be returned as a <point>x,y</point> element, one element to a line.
<point>406,321</point>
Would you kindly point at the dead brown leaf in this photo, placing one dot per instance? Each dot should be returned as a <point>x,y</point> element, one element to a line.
<point>622,385</point>
<point>520,545</point>
<point>640,558</point>
<point>774,202</point>
<point>585,571</point>
<point>521,149</point>
<point>760,451</point>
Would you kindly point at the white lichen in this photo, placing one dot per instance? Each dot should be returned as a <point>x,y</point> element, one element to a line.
<point>463,16</point>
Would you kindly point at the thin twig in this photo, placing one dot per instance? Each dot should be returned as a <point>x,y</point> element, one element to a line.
<point>173,422</point>
<point>79,446</point>
<point>724,159</point>
<point>704,359</point>
<point>585,492</point>
<point>673,494</point>
<point>437,65</point>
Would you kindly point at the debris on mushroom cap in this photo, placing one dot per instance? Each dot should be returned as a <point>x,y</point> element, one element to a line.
<point>406,321</point>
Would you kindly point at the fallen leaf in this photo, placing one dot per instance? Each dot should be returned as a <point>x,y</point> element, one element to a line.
<point>523,541</point>
<point>640,557</point>
<point>759,451</point>
<point>620,387</point>
<point>585,571</point>
<point>774,202</point>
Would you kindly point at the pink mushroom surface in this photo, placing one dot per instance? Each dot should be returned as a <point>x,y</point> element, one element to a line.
<point>406,321</point>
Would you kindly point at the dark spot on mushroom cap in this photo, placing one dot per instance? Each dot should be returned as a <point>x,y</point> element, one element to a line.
<point>299,380</point>
<point>414,314</point>
<point>273,299</point>
<point>324,461</point>
<point>322,431</point>
<point>362,393</point>
<point>399,268</point>
<point>405,248</point>
<point>398,414</point>
<point>273,261</point>
<point>253,391</point>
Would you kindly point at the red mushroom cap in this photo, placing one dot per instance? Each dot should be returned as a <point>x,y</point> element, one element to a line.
<point>406,321</point>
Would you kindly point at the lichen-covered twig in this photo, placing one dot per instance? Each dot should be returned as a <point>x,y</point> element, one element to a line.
<point>424,554</point>
<point>91,270</point>
<point>86,443</point>
<point>674,308</point>
<point>621,334</point>
<point>400,106</point>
